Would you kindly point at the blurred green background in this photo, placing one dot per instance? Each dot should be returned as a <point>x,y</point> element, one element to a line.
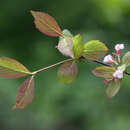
<point>82,105</point>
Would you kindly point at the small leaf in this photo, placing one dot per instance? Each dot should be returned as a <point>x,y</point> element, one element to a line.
<point>65,46</point>
<point>10,68</point>
<point>66,33</point>
<point>25,94</point>
<point>94,50</point>
<point>122,67</point>
<point>113,88</point>
<point>104,71</point>
<point>67,72</point>
<point>78,46</point>
<point>126,59</point>
<point>46,24</point>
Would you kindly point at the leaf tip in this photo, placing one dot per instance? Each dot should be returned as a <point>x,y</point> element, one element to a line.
<point>32,12</point>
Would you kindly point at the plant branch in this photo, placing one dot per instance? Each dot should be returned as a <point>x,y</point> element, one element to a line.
<point>51,66</point>
<point>102,63</point>
<point>127,73</point>
<point>99,62</point>
<point>61,62</point>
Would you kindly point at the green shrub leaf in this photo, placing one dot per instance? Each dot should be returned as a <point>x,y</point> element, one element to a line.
<point>104,71</point>
<point>66,33</point>
<point>10,68</point>
<point>78,46</point>
<point>94,50</point>
<point>113,88</point>
<point>122,67</point>
<point>25,94</point>
<point>67,72</point>
<point>46,24</point>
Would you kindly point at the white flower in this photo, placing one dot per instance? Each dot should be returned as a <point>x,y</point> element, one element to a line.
<point>118,74</point>
<point>108,58</point>
<point>119,47</point>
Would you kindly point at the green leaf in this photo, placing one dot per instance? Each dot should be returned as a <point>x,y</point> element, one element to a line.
<point>67,72</point>
<point>126,59</point>
<point>66,33</point>
<point>113,88</point>
<point>10,68</point>
<point>65,46</point>
<point>46,24</point>
<point>78,46</point>
<point>104,71</point>
<point>94,50</point>
<point>122,67</point>
<point>25,94</point>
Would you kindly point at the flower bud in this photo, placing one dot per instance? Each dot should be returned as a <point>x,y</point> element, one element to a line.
<point>108,59</point>
<point>119,47</point>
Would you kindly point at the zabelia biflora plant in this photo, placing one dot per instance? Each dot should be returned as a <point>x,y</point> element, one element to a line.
<point>112,68</point>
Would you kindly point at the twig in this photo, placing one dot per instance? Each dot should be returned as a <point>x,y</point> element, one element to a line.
<point>102,63</point>
<point>127,73</point>
<point>51,66</point>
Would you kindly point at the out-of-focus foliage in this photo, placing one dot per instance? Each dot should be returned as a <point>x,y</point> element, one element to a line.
<point>82,105</point>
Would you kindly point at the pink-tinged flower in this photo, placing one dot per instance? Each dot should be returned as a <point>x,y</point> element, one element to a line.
<point>108,59</point>
<point>118,74</point>
<point>119,47</point>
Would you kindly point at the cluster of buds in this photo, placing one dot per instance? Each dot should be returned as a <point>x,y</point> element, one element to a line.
<point>118,74</point>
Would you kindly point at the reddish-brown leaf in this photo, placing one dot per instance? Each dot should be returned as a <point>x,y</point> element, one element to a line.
<point>104,71</point>
<point>46,24</point>
<point>25,94</point>
<point>67,72</point>
<point>10,68</point>
<point>113,88</point>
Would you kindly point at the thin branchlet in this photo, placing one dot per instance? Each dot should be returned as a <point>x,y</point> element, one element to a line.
<point>102,63</point>
<point>51,66</point>
<point>127,73</point>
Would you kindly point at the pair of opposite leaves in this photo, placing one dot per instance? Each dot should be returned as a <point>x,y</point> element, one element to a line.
<point>10,68</point>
